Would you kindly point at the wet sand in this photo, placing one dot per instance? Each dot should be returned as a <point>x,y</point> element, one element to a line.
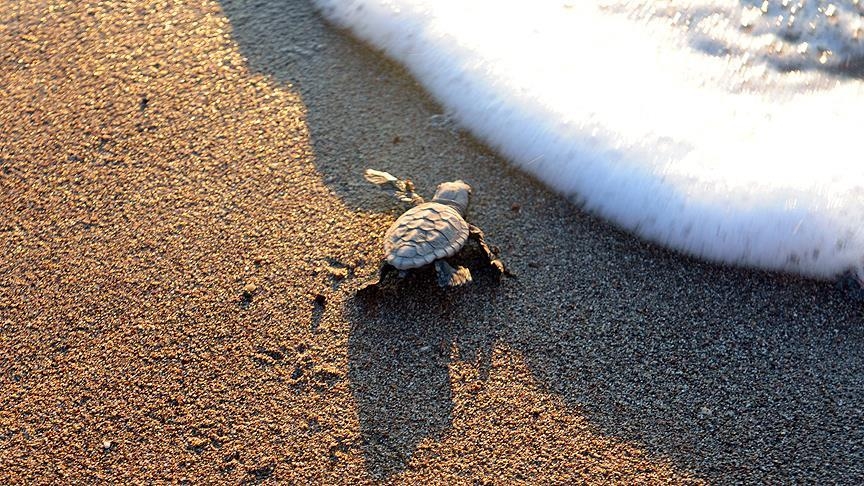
<point>184,225</point>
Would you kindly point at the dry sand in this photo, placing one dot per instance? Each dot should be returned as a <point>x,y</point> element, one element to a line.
<point>156,158</point>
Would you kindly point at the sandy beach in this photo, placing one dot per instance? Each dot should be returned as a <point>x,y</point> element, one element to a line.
<point>184,225</point>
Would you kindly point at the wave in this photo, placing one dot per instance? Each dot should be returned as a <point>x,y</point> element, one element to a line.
<point>726,130</point>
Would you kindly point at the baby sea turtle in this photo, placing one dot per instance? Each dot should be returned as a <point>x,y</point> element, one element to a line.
<point>430,232</point>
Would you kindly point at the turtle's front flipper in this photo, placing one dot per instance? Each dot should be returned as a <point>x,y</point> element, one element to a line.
<point>375,280</point>
<point>451,277</point>
<point>477,234</point>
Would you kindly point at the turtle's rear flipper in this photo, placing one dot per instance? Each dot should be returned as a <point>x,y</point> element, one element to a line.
<point>477,234</point>
<point>451,277</point>
<point>401,190</point>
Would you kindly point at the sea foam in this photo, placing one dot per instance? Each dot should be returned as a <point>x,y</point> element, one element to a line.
<point>725,130</point>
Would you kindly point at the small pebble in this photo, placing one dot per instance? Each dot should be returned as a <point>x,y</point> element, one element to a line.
<point>198,442</point>
<point>250,288</point>
<point>320,300</point>
<point>337,273</point>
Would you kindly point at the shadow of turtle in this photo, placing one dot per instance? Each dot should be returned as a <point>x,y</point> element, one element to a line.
<point>403,337</point>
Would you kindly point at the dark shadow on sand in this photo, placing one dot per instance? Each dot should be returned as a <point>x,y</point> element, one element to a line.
<point>734,375</point>
<point>399,363</point>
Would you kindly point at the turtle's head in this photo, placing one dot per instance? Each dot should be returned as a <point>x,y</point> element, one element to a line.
<point>453,194</point>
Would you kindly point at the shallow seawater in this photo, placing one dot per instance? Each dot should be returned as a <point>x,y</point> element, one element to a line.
<point>789,35</point>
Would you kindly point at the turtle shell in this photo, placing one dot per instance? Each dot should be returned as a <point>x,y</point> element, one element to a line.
<point>423,234</point>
